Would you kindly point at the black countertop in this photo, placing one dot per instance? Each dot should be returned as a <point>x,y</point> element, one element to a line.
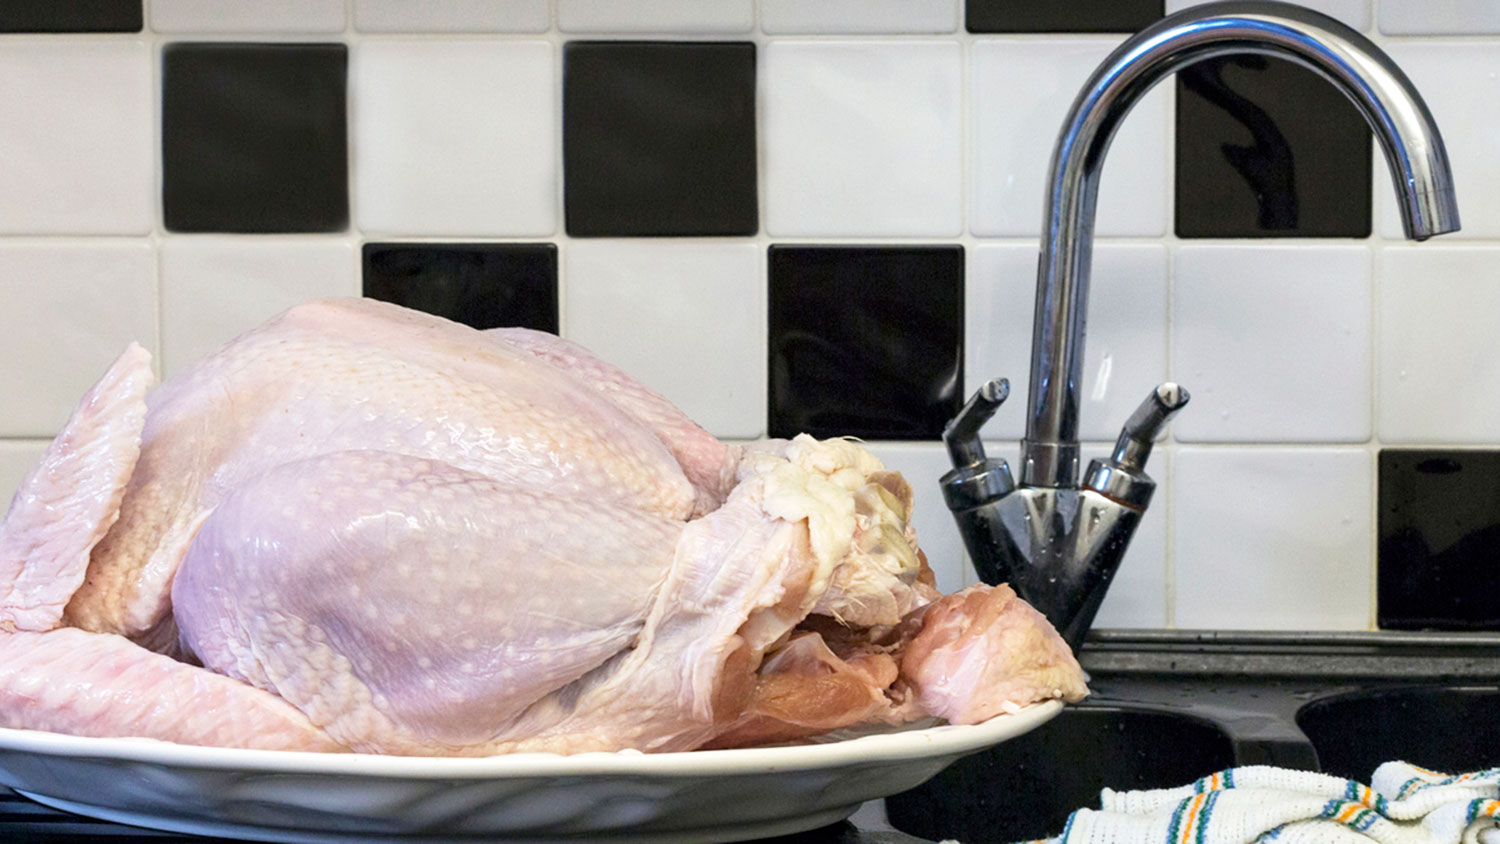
<point>25,822</point>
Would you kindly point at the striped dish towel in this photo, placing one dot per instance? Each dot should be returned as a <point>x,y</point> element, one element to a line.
<point>1403,805</point>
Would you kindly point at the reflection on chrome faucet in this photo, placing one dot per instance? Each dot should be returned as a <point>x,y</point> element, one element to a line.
<point>1055,541</point>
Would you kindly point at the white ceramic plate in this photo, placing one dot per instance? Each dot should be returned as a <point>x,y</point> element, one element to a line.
<point>712,795</point>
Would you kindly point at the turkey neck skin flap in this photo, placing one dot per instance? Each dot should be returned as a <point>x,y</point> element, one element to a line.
<point>362,528</point>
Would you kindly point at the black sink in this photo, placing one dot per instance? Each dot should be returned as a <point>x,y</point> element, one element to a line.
<point>1444,728</point>
<point>1169,707</point>
<point>1026,788</point>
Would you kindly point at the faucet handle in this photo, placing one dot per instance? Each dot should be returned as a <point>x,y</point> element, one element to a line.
<point>1123,476</point>
<point>1145,424</point>
<point>975,480</point>
<point>961,434</point>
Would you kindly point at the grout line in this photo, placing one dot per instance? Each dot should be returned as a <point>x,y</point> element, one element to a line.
<point>762,238</point>
<point>560,212</point>
<point>968,152</point>
<point>156,236</point>
<point>1379,197</point>
<point>1451,243</point>
<point>1170,243</point>
<point>353,237</point>
<point>1373,562</point>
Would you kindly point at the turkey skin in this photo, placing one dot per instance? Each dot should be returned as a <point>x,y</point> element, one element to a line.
<point>363,528</point>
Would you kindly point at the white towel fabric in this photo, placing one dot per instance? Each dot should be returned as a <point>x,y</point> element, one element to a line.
<point>1403,804</point>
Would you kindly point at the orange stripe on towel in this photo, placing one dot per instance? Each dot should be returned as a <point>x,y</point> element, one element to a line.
<point>1192,818</point>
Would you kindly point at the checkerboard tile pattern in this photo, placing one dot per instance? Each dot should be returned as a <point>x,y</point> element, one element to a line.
<point>816,215</point>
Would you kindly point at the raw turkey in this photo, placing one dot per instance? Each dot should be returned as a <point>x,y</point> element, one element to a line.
<point>364,528</point>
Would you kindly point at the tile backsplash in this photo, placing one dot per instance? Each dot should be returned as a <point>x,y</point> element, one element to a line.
<point>808,214</point>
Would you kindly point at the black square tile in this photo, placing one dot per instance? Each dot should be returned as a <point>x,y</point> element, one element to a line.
<point>865,341</point>
<point>70,16</point>
<point>659,138</point>
<point>1439,526</point>
<point>1061,15</point>
<point>254,137</point>
<point>1266,148</point>
<point>485,285</point>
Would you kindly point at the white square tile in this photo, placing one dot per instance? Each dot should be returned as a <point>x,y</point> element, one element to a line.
<point>1272,539</point>
<point>1023,89</point>
<point>79,152</point>
<point>675,16</point>
<point>1439,317</point>
<point>455,137</point>
<point>1125,355</point>
<point>261,16</point>
<point>1137,596</point>
<point>452,16</point>
<point>215,288</point>
<point>17,458</point>
<point>687,319</point>
<point>1439,17</point>
<point>70,310</point>
<point>858,16</point>
<point>1273,342</point>
<point>937,534</point>
<point>1355,13</point>
<point>1461,85</point>
<point>861,138</point>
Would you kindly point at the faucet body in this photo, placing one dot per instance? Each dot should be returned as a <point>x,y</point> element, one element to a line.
<point>1056,542</point>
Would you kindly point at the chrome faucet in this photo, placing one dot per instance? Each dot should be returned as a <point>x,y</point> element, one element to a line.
<point>1058,543</point>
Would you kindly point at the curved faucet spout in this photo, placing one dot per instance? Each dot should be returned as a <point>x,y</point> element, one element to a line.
<point>1366,75</point>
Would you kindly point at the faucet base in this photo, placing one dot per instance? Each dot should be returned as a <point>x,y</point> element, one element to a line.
<point>1058,548</point>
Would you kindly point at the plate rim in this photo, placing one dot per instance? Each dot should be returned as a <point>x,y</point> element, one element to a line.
<point>888,746</point>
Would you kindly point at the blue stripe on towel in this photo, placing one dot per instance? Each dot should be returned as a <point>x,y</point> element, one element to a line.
<point>1407,786</point>
<point>1177,821</point>
<point>1068,828</point>
<point>1474,805</point>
